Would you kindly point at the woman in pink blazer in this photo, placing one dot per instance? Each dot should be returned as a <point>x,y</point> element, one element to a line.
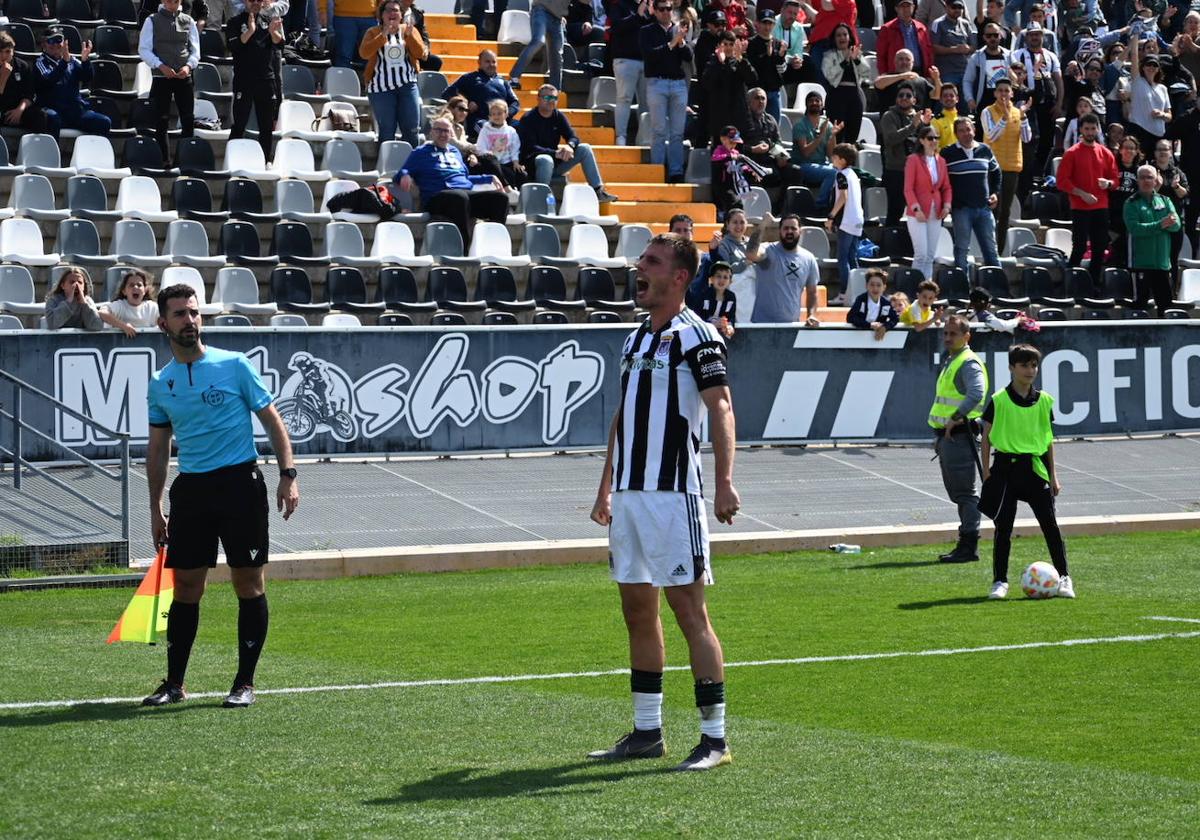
<point>927,198</point>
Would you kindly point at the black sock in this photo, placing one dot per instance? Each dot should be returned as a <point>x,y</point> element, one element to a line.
<point>182,621</point>
<point>252,635</point>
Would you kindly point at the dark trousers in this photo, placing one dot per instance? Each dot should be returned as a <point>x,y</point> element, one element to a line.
<point>460,207</point>
<point>1090,227</point>
<point>846,103</point>
<point>162,91</point>
<point>1008,190</point>
<point>262,100</point>
<point>1152,281</point>
<point>1024,485</point>
<point>893,182</point>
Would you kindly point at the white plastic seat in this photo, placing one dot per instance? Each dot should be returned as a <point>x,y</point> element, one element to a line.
<point>943,253</point>
<point>143,78</point>
<point>342,85</point>
<point>1189,285</point>
<point>758,205</point>
<point>296,119</point>
<point>514,28</point>
<point>187,243</point>
<point>341,185</point>
<point>94,155</point>
<point>394,245</point>
<point>491,244</point>
<point>345,246</point>
<point>326,129</point>
<point>237,291</point>
<point>1059,238</point>
<point>816,242</point>
<point>140,197</point>
<point>17,293</point>
<point>207,110</point>
<point>244,159</point>
<point>133,242</point>
<point>10,323</point>
<point>602,93</point>
<point>340,319</point>
<point>581,205</point>
<point>294,159</point>
<point>632,241</point>
<point>294,202</point>
<point>867,133</point>
<point>588,245</point>
<point>190,276</point>
<point>21,242</point>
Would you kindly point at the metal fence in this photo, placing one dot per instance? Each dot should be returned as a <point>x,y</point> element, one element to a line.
<point>69,516</point>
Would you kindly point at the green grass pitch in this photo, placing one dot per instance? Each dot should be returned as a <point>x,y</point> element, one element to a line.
<point>1099,740</point>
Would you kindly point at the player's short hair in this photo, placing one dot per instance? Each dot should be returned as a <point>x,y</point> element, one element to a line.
<point>1021,354</point>
<point>960,322</point>
<point>928,286</point>
<point>179,290</point>
<point>679,217</point>
<point>684,253</point>
<point>847,152</point>
<point>877,272</point>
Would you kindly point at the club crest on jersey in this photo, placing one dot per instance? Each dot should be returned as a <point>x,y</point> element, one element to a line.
<point>664,345</point>
<point>212,396</point>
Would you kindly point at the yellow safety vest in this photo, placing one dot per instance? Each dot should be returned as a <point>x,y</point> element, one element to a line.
<point>948,399</point>
<point>1023,430</point>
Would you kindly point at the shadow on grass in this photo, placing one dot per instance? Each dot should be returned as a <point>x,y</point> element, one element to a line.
<point>897,564</point>
<point>944,602</point>
<point>472,783</point>
<point>85,712</point>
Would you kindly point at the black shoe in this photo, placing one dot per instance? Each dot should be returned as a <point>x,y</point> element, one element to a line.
<point>675,179</point>
<point>239,697</point>
<point>967,550</point>
<point>166,693</point>
<point>515,84</point>
<point>637,744</point>
<point>709,753</point>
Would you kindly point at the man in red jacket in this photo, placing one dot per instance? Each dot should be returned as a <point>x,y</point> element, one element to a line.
<point>900,32</point>
<point>1086,173</point>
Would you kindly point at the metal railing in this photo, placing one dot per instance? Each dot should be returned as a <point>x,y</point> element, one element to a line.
<point>16,457</point>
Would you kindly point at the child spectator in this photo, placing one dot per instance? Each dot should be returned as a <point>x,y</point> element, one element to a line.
<point>981,300</point>
<point>729,176</point>
<point>871,310</point>
<point>71,304</point>
<point>1017,427</point>
<point>134,304</point>
<point>848,202</point>
<point>922,315</point>
<point>900,302</point>
<point>500,140</point>
<point>1071,136</point>
<point>718,305</point>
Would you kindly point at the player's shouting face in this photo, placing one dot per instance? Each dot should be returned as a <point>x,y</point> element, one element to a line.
<point>659,280</point>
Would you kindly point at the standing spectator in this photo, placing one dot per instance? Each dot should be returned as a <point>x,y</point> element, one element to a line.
<point>481,87</point>
<point>59,79</point>
<point>664,53</point>
<point>1086,173</point>
<point>830,14</point>
<point>414,15</point>
<point>873,310</point>
<point>849,204</point>
<point>782,270</point>
<point>886,84</point>
<point>1173,185</point>
<point>391,74</point>
<point>1083,106</point>
<point>735,15</point>
<point>1087,82</point>
<point>349,21</point>
<point>992,12</point>
<point>70,303</point>
<point>945,114</point>
<point>170,45</point>
<point>1037,14</point>
<point>813,138</point>
<point>975,187</point>
<point>1186,45</point>
<point>725,82</point>
<point>1129,160</point>
<point>790,33</point>
<point>953,39</point>
<point>845,73</point>
<point>547,20</point>
<point>927,196</point>
<point>582,26</point>
<point>928,11</point>
<point>550,147</point>
<point>707,41</point>
<point>255,40</point>
<point>17,90</point>
<point>1043,74</point>
<point>626,18</point>
<point>1005,130</point>
<point>985,67</point>
<point>197,10</point>
<point>1149,102</point>
<point>448,191</point>
<point>1151,220</point>
<point>898,130</point>
<point>766,55</point>
<point>904,32</point>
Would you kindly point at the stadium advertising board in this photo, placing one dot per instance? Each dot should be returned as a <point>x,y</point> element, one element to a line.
<point>438,391</point>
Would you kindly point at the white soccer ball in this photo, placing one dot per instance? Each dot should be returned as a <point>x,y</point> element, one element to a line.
<point>1040,580</point>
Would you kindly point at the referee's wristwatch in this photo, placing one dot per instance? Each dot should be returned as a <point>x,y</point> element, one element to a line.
<point>289,472</point>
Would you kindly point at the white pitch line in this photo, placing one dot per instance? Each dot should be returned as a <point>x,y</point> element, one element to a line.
<point>569,675</point>
<point>1171,618</point>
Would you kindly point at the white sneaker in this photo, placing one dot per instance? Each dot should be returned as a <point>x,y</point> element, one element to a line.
<point>620,141</point>
<point>840,300</point>
<point>999,591</point>
<point>1066,589</point>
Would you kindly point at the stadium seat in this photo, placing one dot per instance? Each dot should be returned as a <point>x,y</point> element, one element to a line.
<point>294,201</point>
<point>758,206</point>
<point>21,242</point>
<point>588,245</point>
<point>243,200</point>
<point>1176,315</point>
<point>993,278</point>
<point>237,291</point>
<point>905,279</point>
<point>550,317</point>
<point>799,200</point>
<point>632,241</point>
<point>187,243</point>
<point>142,156</point>
<point>340,319</point>
<point>533,200</point>
<point>195,158</point>
<point>207,111</point>
<point>1118,284</point>
<point>32,196</point>
<point>497,287</point>
<point>394,319</point>
<point>514,28</point>
<point>207,80</point>
<point>193,200</point>
<point>431,85</point>
<point>341,185</point>
<point>397,289</point>
<point>955,285</point>
<point>325,128</point>
<point>448,288</point>
<point>491,244</point>
<point>244,159</point>
<point>77,13</point>
<point>112,42</point>
<point>292,290</point>
<point>871,161</point>
<point>143,79</point>
<point>17,294</point>
<point>231,321</point>
<point>296,120</point>
<point>1189,286</point>
<point>7,167</point>
<point>292,242</point>
<point>699,167</point>
<point>393,244</point>
<point>10,323</point>
<point>580,205</point>
<point>868,134</point>
<point>288,320</point>
<point>1017,236</point>
<point>499,319</point>
<point>108,81</point>
<point>344,245</point>
<point>139,197</point>
<point>119,13</point>
<point>441,240</point>
<point>294,159</point>
<point>874,205</point>
<point>447,319</point>
<point>298,82</point>
<point>548,288</point>
<point>602,316</point>
<point>1040,288</point>
<point>803,90</point>
<point>191,277</point>
<point>541,243</point>
<point>392,156</point>
<point>38,154</point>
<point>342,85</point>
<point>346,290</point>
<point>239,243</point>
<point>133,241</point>
<point>602,93</point>
<point>344,160</point>
<point>597,289</point>
<point>79,242</point>
<point>1051,313</point>
<point>212,46</point>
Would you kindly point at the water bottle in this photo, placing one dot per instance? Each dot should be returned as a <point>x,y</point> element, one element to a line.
<point>551,205</point>
<point>846,548</point>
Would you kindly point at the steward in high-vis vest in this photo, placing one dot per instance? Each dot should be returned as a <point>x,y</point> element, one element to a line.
<point>961,391</point>
<point>1017,428</point>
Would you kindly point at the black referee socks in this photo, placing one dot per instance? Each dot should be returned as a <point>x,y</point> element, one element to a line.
<point>252,635</point>
<point>182,621</point>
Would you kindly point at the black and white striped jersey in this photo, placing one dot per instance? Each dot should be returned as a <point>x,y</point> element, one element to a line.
<point>392,67</point>
<point>662,374</point>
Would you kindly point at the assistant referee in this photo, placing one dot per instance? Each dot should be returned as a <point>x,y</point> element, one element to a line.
<point>205,397</point>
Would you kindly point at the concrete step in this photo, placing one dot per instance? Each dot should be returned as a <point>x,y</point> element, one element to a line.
<point>621,154</point>
<point>595,135</point>
<point>661,211</point>
<point>642,176</point>
<point>449,26</point>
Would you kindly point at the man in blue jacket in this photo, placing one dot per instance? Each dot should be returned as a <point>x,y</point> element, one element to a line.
<point>59,78</point>
<point>481,87</point>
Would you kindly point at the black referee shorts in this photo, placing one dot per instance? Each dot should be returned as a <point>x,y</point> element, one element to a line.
<point>230,505</point>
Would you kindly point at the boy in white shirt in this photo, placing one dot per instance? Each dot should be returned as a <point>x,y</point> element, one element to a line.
<point>847,201</point>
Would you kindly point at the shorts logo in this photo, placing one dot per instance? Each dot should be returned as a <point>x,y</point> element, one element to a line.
<point>679,570</point>
<point>664,345</point>
<point>212,396</point>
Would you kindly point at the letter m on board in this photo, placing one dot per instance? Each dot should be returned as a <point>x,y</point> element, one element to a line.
<point>110,389</point>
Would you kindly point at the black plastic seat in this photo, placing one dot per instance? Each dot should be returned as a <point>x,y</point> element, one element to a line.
<point>498,318</point>
<point>292,242</point>
<point>1118,284</point>
<point>448,319</point>
<point>120,13</point>
<point>498,288</point>
<point>397,289</point>
<point>87,199</point>
<point>243,200</point>
<point>29,12</point>
<point>239,244</point>
<point>1039,288</point>
<point>108,106</point>
<point>905,280</point>
<point>448,288</point>
<point>144,157</point>
<point>212,47</point>
<point>549,316</point>
<point>603,316</point>
<point>548,288</point>
<point>77,13</point>
<point>896,244</point>
<point>993,278</point>
<point>108,81</point>
<point>394,319</point>
<point>346,290</point>
<point>209,85</point>
<point>1047,207</point>
<point>596,288</point>
<point>1051,313</point>
<point>193,200</point>
<point>112,42</point>
<point>195,156</point>
<point>955,285</point>
<point>292,291</point>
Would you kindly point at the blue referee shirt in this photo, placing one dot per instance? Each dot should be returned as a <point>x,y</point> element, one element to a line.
<point>208,403</point>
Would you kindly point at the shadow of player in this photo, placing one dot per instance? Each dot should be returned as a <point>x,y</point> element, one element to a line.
<point>472,783</point>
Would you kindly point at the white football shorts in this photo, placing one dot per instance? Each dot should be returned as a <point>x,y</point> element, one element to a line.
<point>658,537</point>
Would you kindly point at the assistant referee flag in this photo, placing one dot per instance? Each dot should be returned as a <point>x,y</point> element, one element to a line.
<point>146,616</point>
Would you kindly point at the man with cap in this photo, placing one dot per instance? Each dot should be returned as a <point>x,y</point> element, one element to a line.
<point>767,54</point>
<point>953,40</point>
<point>59,78</point>
<point>904,32</point>
<point>1043,75</point>
<point>710,37</point>
<point>813,138</point>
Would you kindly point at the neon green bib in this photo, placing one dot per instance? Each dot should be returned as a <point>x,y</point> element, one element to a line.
<point>948,399</point>
<point>1020,430</point>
